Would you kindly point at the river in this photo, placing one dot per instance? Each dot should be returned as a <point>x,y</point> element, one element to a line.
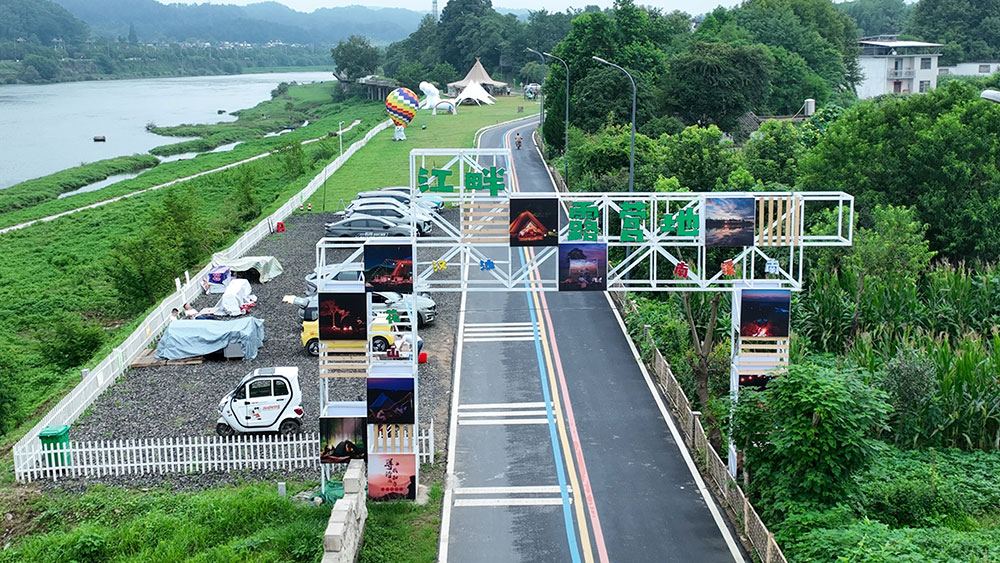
<point>49,127</point>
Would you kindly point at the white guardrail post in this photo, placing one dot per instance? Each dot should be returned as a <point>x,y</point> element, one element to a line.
<point>28,451</point>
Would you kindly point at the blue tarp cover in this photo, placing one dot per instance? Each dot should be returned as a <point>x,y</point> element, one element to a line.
<point>187,338</point>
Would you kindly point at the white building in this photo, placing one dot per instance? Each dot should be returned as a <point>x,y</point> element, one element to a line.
<point>892,66</point>
<point>979,68</point>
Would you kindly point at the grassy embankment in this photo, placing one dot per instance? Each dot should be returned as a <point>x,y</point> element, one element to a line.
<point>34,191</point>
<point>63,277</point>
<point>267,117</point>
<point>387,163</point>
<point>232,523</point>
<point>307,103</point>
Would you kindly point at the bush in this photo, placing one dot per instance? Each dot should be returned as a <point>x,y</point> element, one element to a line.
<point>70,341</point>
<point>910,382</point>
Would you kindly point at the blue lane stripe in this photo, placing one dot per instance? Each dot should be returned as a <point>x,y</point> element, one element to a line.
<point>560,472</point>
<point>556,451</point>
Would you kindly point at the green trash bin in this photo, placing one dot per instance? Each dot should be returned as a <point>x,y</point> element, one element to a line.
<point>50,437</point>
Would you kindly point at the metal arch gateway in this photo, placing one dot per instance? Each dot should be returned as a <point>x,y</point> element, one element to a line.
<point>643,242</point>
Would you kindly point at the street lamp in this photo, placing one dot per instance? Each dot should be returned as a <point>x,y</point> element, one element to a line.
<point>566,144</point>
<point>340,137</point>
<point>631,160</point>
<point>541,96</point>
<point>991,95</point>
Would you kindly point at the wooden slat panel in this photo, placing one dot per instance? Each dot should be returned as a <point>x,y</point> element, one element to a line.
<point>503,224</point>
<point>483,240</point>
<point>770,221</point>
<point>485,206</point>
<point>782,236</point>
<point>761,229</point>
<point>466,214</point>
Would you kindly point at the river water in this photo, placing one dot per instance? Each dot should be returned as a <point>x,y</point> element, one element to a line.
<point>46,128</point>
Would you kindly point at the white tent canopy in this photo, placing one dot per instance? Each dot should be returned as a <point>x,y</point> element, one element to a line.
<point>474,93</point>
<point>476,74</point>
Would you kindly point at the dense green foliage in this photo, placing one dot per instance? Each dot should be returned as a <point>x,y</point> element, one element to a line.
<point>39,20</point>
<point>32,192</point>
<point>356,57</point>
<point>877,17</point>
<point>238,523</point>
<point>969,28</point>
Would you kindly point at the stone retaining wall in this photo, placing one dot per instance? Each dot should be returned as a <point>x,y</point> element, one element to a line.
<point>346,529</point>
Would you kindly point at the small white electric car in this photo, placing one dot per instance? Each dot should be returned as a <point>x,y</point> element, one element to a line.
<point>266,400</point>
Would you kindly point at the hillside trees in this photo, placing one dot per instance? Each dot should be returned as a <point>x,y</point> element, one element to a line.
<point>972,25</point>
<point>356,57</point>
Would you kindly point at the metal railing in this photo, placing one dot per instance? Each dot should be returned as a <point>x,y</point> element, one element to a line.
<point>900,73</point>
<point>27,449</point>
<point>711,465</point>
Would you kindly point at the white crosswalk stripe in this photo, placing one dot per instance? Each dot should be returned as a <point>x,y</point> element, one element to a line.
<point>499,332</point>
<point>488,414</point>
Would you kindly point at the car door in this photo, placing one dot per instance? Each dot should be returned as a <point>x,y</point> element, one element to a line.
<point>261,404</point>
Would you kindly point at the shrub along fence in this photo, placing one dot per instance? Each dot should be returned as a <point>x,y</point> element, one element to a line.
<point>198,454</point>
<point>716,471</point>
<point>28,451</point>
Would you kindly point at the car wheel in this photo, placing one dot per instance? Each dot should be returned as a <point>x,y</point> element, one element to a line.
<point>290,426</point>
<point>380,344</point>
<point>224,430</point>
<point>313,347</point>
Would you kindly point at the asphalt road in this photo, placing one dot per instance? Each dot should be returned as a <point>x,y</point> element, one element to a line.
<point>560,451</point>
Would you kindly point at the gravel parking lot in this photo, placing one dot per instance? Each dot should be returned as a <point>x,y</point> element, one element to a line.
<point>181,401</point>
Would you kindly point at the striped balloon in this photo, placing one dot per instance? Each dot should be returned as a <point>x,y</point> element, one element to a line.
<point>402,105</point>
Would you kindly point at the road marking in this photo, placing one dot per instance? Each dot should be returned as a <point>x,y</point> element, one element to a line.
<point>679,440</point>
<point>503,422</point>
<point>503,339</point>
<point>492,502</point>
<point>502,413</point>
<point>513,490</point>
<point>500,405</point>
<point>482,326</point>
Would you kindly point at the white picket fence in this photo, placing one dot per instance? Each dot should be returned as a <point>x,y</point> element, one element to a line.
<point>200,454</point>
<point>28,448</point>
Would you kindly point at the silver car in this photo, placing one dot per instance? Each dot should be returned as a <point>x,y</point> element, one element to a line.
<point>392,212</point>
<point>367,226</point>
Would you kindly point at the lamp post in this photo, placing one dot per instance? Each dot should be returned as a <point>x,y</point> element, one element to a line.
<point>991,95</point>
<point>631,160</point>
<point>340,137</point>
<point>566,144</point>
<point>541,96</point>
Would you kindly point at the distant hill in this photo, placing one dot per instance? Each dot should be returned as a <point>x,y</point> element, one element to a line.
<point>256,23</point>
<point>39,20</point>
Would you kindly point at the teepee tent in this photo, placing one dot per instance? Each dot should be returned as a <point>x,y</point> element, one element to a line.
<point>476,74</point>
<point>474,93</point>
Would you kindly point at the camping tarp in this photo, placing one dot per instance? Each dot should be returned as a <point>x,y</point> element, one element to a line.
<point>267,266</point>
<point>237,294</point>
<point>474,92</point>
<point>185,339</point>
<point>476,74</point>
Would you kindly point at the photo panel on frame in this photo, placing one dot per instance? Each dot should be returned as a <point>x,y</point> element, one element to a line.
<point>390,400</point>
<point>392,476</point>
<point>342,439</point>
<point>729,221</point>
<point>389,267</point>
<point>343,316</point>
<point>583,266</point>
<point>765,312</point>
<point>534,221</point>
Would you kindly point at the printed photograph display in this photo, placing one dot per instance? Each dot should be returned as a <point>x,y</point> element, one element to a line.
<point>392,476</point>
<point>534,222</point>
<point>390,400</point>
<point>343,316</point>
<point>583,267</point>
<point>765,312</point>
<point>342,439</point>
<point>729,221</point>
<point>389,267</point>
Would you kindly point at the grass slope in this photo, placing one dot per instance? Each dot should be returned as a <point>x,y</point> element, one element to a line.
<point>387,163</point>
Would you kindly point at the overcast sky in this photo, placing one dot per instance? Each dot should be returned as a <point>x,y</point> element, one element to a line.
<point>690,6</point>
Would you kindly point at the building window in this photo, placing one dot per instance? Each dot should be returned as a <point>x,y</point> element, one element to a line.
<point>943,71</point>
<point>925,63</point>
<point>925,85</point>
<point>985,69</point>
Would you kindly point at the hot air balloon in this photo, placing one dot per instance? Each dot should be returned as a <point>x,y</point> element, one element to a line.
<point>402,105</point>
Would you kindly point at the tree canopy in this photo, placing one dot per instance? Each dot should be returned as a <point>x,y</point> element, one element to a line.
<point>356,57</point>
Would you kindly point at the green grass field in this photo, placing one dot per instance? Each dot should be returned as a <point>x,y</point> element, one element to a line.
<point>387,163</point>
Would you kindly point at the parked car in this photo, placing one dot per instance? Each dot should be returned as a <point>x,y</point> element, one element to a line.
<point>382,335</point>
<point>392,212</point>
<point>423,213</point>
<point>335,272</point>
<point>424,200</point>
<point>432,203</point>
<point>266,400</point>
<point>381,300</point>
<point>367,226</point>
